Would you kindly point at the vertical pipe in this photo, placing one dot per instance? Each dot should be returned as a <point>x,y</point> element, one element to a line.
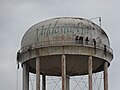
<point>105,76</point>
<point>90,72</point>
<point>67,82</point>
<point>25,76</point>
<point>63,72</point>
<point>43,82</point>
<point>23,86</point>
<point>37,73</point>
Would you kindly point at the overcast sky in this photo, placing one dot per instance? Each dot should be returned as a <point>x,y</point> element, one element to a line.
<point>16,16</point>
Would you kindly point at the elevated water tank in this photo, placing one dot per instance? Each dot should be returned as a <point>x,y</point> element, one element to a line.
<point>76,38</point>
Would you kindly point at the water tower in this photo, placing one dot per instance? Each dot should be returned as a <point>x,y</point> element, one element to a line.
<point>64,47</point>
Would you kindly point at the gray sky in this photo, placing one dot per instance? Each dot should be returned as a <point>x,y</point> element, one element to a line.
<point>16,16</point>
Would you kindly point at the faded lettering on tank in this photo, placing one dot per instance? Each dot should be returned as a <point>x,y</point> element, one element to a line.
<point>64,29</point>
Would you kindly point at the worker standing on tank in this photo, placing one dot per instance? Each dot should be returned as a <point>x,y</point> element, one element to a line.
<point>81,40</point>
<point>94,43</point>
<point>77,39</point>
<point>105,50</point>
<point>86,41</point>
<point>18,53</point>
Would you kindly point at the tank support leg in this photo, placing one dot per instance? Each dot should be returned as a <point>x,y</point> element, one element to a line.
<point>43,82</point>
<point>63,62</point>
<point>25,76</point>
<point>38,73</point>
<point>105,76</point>
<point>67,82</point>
<point>90,72</point>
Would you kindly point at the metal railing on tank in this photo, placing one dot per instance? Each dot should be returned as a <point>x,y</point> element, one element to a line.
<point>63,43</point>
